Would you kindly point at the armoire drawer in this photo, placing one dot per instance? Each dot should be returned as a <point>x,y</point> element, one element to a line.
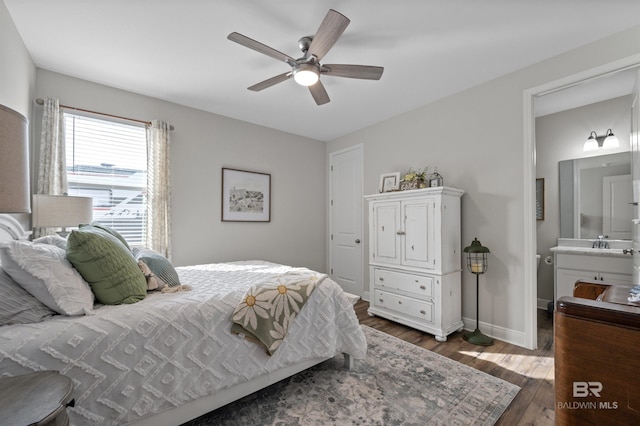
<point>419,285</point>
<point>404,305</point>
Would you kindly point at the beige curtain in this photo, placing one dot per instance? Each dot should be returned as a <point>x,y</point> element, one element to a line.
<point>52,169</point>
<point>158,188</point>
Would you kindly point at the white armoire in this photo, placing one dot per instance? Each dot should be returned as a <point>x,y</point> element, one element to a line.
<point>415,258</point>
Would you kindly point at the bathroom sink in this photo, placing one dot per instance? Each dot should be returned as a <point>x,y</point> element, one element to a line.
<point>585,246</point>
<point>614,252</point>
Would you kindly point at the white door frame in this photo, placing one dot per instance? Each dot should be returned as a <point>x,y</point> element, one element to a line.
<point>529,161</point>
<point>359,147</point>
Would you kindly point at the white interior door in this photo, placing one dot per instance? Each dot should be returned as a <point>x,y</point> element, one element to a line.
<point>346,200</point>
<point>616,207</point>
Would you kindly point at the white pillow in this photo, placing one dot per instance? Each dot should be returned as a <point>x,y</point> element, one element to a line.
<point>44,271</point>
<point>55,240</point>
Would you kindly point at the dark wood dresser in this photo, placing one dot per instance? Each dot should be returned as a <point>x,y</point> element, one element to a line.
<point>597,357</point>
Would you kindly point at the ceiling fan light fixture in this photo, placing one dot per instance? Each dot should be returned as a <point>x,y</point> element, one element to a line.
<point>306,74</point>
<point>306,70</point>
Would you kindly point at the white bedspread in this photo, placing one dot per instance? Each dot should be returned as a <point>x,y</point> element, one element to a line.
<point>131,361</point>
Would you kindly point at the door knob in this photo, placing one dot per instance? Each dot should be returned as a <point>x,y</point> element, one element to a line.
<point>357,240</point>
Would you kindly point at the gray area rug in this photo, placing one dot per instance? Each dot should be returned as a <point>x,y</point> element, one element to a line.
<point>398,384</point>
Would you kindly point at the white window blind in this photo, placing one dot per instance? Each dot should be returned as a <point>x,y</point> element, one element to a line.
<point>107,160</point>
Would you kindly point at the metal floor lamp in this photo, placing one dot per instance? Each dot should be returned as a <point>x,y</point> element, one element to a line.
<point>477,265</point>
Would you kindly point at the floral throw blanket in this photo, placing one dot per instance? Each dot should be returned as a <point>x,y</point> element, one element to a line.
<point>267,309</point>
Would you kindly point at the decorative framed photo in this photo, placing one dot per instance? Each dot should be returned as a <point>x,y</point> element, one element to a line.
<point>389,182</point>
<point>246,196</point>
<point>540,199</point>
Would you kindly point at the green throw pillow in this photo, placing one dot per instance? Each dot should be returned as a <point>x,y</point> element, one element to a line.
<point>107,265</point>
<point>110,231</point>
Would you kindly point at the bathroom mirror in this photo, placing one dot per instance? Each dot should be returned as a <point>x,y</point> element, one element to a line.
<point>596,196</point>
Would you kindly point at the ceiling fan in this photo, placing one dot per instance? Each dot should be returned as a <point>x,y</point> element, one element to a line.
<point>307,69</point>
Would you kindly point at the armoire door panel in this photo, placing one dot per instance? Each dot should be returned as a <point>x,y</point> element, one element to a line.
<point>387,240</point>
<point>418,237</point>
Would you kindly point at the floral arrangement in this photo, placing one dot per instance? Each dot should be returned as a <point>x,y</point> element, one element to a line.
<point>420,174</point>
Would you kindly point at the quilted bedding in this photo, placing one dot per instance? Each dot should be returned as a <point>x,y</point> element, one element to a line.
<point>129,362</point>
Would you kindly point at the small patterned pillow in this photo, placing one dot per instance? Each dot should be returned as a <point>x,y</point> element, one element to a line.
<point>153,282</point>
<point>159,265</point>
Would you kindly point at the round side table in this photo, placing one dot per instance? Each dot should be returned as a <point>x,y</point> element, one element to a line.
<point>39,398</point>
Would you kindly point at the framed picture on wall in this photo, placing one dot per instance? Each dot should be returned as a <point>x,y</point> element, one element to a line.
<point>389,182</point>
<point>540,199</point>
<point>246,196</point>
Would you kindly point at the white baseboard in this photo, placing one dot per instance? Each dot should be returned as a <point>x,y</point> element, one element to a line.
<point>515,337</point>
<point>543,304</point>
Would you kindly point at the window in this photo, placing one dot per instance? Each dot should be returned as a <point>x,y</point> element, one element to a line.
<point>107,160</point>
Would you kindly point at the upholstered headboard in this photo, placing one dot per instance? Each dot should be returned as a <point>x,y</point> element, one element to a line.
<point>10,229</point>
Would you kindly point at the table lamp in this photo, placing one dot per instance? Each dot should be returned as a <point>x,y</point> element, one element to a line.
<point>14,162</point>
<point>61,211</point>
<point>477,264</point>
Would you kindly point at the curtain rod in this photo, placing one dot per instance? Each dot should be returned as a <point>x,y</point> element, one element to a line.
<point>40,101</point>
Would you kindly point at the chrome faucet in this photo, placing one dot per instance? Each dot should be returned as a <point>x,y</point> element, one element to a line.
<point>601,243</point>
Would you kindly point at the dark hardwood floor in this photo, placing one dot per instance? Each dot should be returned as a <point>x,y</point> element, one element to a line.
<point>531,370</point>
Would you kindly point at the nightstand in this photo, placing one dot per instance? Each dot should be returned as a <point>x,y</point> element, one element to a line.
<point>39,398</point>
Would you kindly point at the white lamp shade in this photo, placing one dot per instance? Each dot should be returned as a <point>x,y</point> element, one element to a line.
<point>59,211</point>
<point>14,162</point>
<point>590,145</point>
<point>611,141</point>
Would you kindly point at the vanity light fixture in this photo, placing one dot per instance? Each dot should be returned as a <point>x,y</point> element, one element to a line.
<point>595,142</point>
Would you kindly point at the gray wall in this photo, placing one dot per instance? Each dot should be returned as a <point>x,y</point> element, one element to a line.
<point>475,138</point>
<point>203,143</point>
<point>17,75</point>
<point>17,72</point>
<point>561,137</point>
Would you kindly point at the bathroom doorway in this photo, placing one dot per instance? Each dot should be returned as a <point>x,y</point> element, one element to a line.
<point>532,99</point>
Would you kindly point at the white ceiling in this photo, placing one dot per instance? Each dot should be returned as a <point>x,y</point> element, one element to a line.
<point>177,50</point>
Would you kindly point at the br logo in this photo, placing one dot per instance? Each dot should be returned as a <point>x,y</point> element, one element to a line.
<point>584,389</point>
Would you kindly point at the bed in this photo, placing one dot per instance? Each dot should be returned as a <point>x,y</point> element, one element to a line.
<point>172,357</point>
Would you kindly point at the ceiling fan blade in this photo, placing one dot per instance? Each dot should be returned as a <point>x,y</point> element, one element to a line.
<point>271,81</point>
<point>259,47</point>
<point>319,93</point>
<point>330,30</point>
<point>366,72</point>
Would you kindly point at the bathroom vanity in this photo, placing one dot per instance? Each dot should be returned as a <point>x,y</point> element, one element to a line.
<point>578,260</point>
